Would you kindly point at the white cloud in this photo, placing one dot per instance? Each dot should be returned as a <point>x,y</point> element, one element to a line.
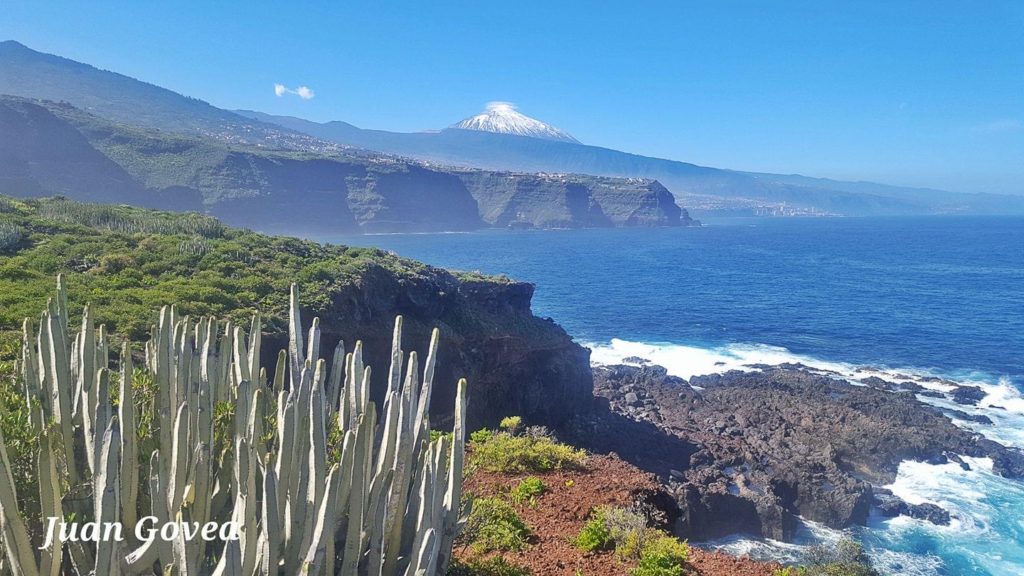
<point>304,92</point>
<point>498,106</point>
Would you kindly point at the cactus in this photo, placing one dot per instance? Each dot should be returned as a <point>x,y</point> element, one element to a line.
<point>389,506</point>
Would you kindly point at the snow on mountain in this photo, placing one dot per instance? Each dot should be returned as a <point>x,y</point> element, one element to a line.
<point>503,118</point>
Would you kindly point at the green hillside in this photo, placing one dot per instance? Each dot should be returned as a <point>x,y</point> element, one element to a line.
<point>128,261</point>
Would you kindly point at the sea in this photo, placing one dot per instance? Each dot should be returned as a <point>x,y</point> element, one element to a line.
<point>897,298</point>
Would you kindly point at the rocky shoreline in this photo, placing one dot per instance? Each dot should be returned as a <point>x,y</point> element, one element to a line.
<point>752,452</point>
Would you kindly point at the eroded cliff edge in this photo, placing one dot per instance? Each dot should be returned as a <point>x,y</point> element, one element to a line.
<point>515,362</point>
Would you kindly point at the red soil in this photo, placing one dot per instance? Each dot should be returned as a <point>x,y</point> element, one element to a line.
<point>562,511</point>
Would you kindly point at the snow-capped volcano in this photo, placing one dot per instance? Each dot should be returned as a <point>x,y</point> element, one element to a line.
<point>503,118</point>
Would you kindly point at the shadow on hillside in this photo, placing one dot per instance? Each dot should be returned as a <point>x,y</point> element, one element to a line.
<point>641,444</point>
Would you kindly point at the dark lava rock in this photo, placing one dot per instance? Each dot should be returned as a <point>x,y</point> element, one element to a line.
<point>969,395</point>
<point>930,512</point>
<point>961,415</point>
<point>516,363</point>
<point>757,450</point>
<point>890,505</point>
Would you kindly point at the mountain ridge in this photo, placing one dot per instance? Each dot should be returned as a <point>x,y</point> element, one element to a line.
<point>700,188</point>
<point>58,149</point>
<point>30,74</point>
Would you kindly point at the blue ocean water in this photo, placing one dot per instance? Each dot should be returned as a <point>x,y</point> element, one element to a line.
<point>916,296</point>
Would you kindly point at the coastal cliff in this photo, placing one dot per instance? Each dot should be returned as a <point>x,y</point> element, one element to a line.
<point>127,262</point>
<point>515,362</point>
<point>57,149</point>
<point>571,201</point>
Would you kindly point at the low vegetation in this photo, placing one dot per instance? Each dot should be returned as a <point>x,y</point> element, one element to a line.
<point>629,534</point>
<point>494,525</point>
<point>662,556</point>
<point>509,451</point>
<point>527,491</point>
<point>130,261</point>
<point>595,534</point>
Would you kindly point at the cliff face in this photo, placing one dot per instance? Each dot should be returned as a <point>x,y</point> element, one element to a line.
<point>571,201</point>
<point>515,362</point>
<point>58,149</point>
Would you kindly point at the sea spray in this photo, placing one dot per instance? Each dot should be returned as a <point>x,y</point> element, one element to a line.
<point>986,532</point>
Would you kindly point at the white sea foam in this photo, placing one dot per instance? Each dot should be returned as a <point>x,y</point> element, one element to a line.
<point>1003,403</point>
<point>986,531</point>
<point>807,534</point>
<point>907,563</point>
<point>985,527</point>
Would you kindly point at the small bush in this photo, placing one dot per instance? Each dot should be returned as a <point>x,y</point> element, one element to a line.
<point>494,566</point>
<point>511,424</point>
<point>595,535</point>
<point>494,525</point>
<point>629,530</point>
<point>436,434</point>
<point>790,571</point>
<point>527,491</point>
<point>510,454</point>
<point>662,556</point>
<point>480,436</point>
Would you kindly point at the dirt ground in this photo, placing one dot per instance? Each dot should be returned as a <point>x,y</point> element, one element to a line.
<point>562,511</point>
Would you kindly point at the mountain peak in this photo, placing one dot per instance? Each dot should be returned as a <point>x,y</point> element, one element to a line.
<point>503,118</point>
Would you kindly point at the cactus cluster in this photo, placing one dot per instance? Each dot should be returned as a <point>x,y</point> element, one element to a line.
<point>318,480</point>
<point>10,235</point>
<point>116,219</point>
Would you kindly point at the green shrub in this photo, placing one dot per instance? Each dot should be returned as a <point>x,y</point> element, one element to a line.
<point>595,535</point>
<point>629,531</point>
<point>494,566</point>
<point>480,436</point>
<point>527,491</point>
<point>790,571</point>
<point>494,525</point>
<point>511,424</point>
<point>510,454</point>
<point>662,556</point>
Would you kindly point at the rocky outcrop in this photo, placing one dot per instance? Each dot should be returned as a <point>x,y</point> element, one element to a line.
<point>515,362</point>
<point>765,447</point>
<point>890,505</point>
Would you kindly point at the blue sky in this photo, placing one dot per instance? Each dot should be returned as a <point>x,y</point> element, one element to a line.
<point>916,92</point>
